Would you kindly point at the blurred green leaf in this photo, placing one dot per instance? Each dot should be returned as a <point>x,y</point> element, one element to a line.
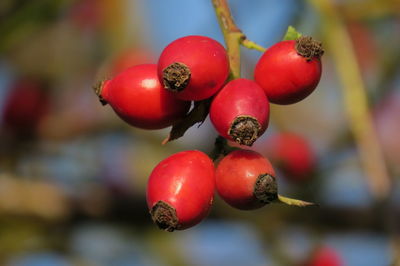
<point>291,34</point>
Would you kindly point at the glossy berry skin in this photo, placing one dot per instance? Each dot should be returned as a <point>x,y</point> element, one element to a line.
<point>138,98</point>
<point>286,76</point>
<point>293,154</point>
<point>236,176</point>
<point>239,98</point>
<point>206,60</point>
<point>186,182</point>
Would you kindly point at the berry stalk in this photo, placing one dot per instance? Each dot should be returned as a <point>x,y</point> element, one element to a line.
<point>233,36</point>
<point>294,202</point>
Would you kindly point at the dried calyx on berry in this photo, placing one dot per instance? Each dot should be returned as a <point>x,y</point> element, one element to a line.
<point>240,111</point>
<point>194,67</point>
<point>266,188</point>
<point>180,190</point>
<point>98,87</point>
<point>138,98</point>
<point>176,77</point>
<point>164,216</point>
<point>309,48</point>
<point>290,70</point>
<point>245,130</point>
<point>245,180</point>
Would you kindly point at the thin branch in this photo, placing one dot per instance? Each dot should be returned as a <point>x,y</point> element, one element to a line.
<point>233,36</point>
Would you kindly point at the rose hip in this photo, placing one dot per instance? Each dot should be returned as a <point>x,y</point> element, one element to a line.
<point>240,111</point>
<point>245,180</point>
<point>180,190</point>
<point>139,99</point>
<point>193,67</point>
<point>290,70</point>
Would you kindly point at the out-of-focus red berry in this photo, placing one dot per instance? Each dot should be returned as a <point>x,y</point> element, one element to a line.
<point>86,14</point>
<point>292,154</point>
<point>25,106</point>
<point>326,256</point>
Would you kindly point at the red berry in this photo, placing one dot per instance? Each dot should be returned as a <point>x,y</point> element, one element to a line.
<point>240,111</point>
<point>194,67</point>
<point>290,70</point>
<point>180,190</point>
<point>137,96</point>
<point>326,256</point>
<point>293,154</point>
<point>245,180</point>
<point>25,107</point>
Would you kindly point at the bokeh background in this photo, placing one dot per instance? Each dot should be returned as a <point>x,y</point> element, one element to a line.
<point>73,175</point>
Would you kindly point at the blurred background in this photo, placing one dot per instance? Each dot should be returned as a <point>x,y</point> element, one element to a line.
<point>73,175</point>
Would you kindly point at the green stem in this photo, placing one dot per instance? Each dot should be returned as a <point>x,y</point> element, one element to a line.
<point>252,45</point>
<point>233,36</point>
<point>295,202</point>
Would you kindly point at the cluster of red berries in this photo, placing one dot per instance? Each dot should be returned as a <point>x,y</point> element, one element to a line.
<point>194,68</point>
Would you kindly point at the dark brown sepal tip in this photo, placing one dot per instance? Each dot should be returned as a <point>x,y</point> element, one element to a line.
<point>309,48</point>
<point>245,130</point>
<point>176,77</point>
<point>266,188</point>
<point>97,89</point>
<point>164,216</point>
